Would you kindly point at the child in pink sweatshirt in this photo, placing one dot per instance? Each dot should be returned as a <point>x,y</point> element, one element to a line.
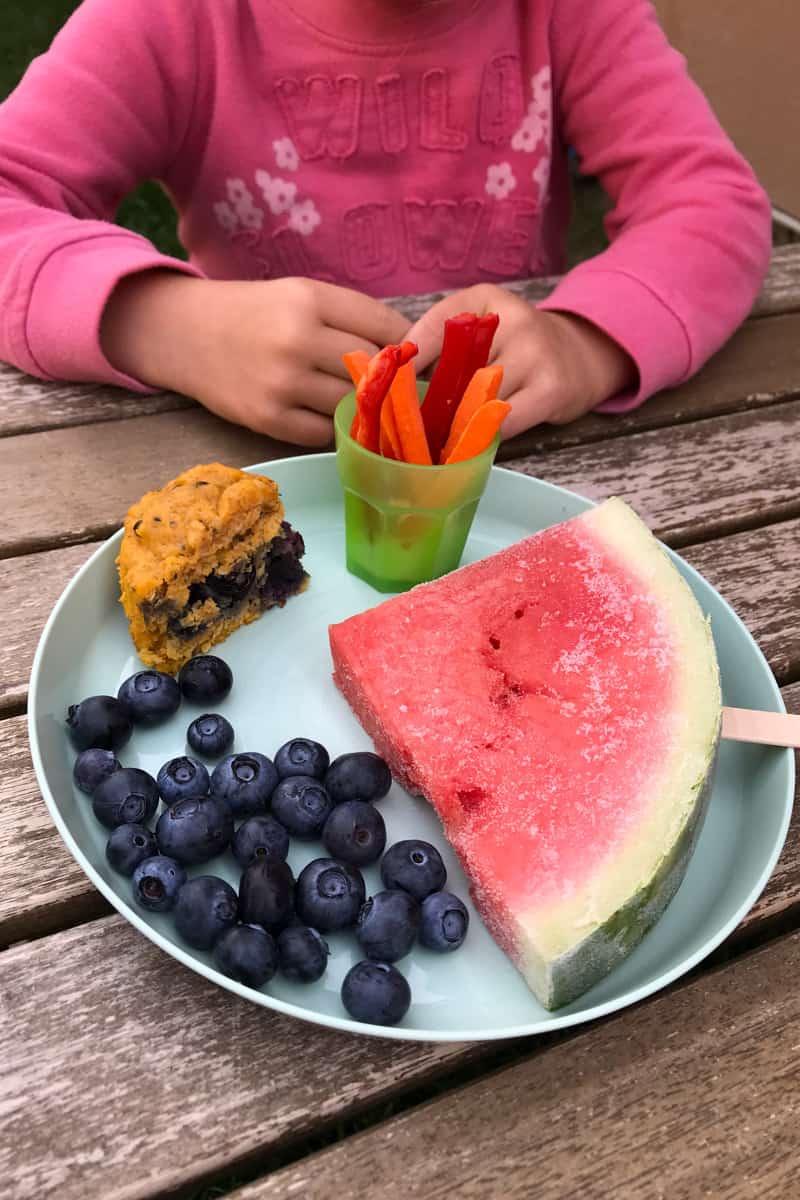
<point>324,153</point>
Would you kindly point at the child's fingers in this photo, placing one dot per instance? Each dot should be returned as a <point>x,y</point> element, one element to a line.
<point>330,347</point>
<point>360,316</point>
<point>428,330</point>
<point>304,428</point>
<point>321,392</point>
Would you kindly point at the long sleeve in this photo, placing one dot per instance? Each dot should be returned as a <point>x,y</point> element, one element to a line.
<point>92,118</point>
<point>690,227</point>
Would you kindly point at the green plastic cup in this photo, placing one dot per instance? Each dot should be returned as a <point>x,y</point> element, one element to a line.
<point>404,524</point>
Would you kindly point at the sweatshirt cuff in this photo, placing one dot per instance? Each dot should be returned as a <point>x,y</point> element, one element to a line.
<point>631,313</point>
<point>69,295</point>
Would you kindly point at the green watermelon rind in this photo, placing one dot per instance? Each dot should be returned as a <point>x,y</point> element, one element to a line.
<point>606,947</point>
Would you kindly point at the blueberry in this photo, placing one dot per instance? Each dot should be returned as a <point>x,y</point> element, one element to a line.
<point>329,894</point>
<point>302,805</point>
<point>195,829</point>
<point>376,993</point>
<point>99,722</point>
<point>360,776</point>
<point>149,697</point>
<point>128,797</point>
<point>182,777</point>
<point>266,894</point>
<point>205,908</point>
<point>414,866</point>
<point>260,837</point>
<point>92,767</point>
<point>302,953</point>
<point>128,846</point>
<point>387,925</point>
<point>247,953</point>
<point>157,882</point>
<point>205,679</point>
<point>355,833</point>
<point>245,781</point>
<point>444,922</point>
<point>301,756</point>
<point>210,734</point>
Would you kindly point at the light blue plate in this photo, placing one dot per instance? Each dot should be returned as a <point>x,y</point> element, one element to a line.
<point>283,689</point>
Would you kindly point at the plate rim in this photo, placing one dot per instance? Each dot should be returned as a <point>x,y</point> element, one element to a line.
<point>347,1024</point>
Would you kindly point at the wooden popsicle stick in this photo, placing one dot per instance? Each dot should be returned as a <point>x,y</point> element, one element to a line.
<point>767,728</point>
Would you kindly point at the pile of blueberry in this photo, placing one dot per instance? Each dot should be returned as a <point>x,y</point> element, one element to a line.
<point>253,805</point>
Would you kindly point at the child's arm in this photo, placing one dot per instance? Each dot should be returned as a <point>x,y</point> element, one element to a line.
<point>101,111</point>
<point>690,229</point>
<point>112,103</point>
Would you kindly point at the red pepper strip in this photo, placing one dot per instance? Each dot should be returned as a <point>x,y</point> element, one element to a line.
<point>482,343</point>
<point>372,389</point>
<point>448,380</point>
<point>356,362</point>
<point>388,439</point>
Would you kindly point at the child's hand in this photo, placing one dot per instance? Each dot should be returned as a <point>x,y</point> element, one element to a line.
<point>267,355</point>
<point>556,366</point>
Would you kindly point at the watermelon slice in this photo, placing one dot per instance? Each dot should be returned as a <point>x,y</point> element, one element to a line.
<point>559,705</point>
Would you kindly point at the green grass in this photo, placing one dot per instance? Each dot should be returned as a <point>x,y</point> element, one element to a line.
<point>28,26</point>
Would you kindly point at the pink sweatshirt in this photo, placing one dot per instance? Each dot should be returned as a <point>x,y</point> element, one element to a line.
<point>392,147</point>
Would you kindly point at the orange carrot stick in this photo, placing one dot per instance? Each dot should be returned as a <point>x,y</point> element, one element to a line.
<point>413,443</point>
<point>480,432</point>
<point>389,441</point>
<point>482,388</point>
<point>356,362</point>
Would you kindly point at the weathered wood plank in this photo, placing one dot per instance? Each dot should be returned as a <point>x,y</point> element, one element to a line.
<point>658,473</point>
<point>758,572</point>
<point>94,474</point>
<point>781,290</point>
<point>28,404</point>
<point>692,1094</point>
<point>71,485</point>
<point>186,1079</point>
<point>30,587</point>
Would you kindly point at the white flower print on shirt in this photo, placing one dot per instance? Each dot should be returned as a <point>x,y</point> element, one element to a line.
<point>286,156</point>
<point>280,194</point>
<point>251,217</point>
<point>239,213</point>
<point>304,217</point>
<point>500,180</point>
<point>239,193</point>
<point>530,133</point>
<point>241,201</point>
<point>226,216</point>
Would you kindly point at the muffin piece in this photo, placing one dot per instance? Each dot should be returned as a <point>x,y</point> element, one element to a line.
<point>207,553</point>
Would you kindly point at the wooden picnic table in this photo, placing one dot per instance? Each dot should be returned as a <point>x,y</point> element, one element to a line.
<point>122,1074</point>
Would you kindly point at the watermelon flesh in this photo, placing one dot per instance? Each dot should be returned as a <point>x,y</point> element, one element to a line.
<point>558,704</point>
